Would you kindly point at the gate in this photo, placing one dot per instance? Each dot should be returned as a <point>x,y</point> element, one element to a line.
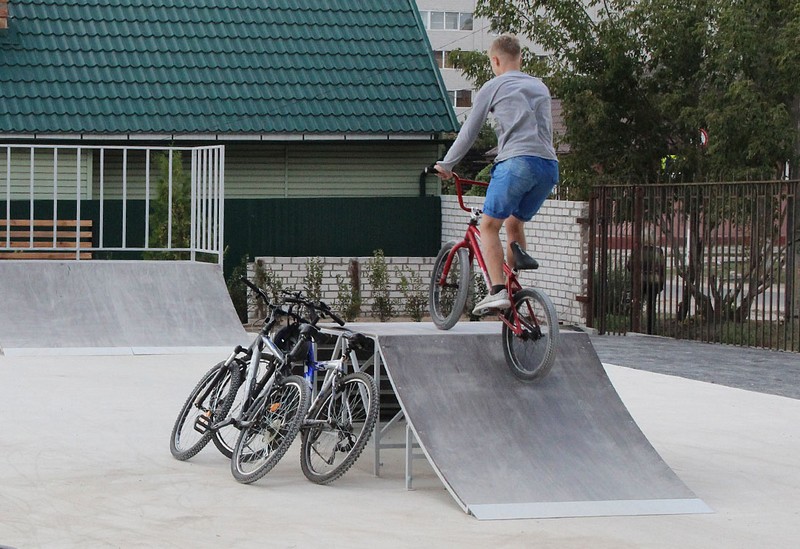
<point>715,262</point>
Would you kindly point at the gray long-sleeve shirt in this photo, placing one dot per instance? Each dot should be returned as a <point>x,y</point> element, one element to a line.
<point>521,106</point>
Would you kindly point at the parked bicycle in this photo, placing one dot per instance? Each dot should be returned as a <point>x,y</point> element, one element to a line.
<point>343,413</point>
<point>530,325</point>
<point>255,422</point>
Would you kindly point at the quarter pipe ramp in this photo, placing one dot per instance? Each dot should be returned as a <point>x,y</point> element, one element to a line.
<point>114,307</point>
<point>565,446</point>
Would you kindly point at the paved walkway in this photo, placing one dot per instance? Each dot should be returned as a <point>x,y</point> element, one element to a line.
<point>84,462</point>
<point>771,372</point>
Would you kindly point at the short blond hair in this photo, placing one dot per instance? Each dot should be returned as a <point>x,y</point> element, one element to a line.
<point>506,45</point>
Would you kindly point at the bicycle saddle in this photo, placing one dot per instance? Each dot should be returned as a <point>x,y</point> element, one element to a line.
<point>522,261</point>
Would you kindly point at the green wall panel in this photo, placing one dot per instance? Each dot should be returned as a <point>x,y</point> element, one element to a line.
<point>400,226</point>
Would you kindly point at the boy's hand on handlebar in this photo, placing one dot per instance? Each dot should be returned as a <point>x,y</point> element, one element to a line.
<point>442,173</point>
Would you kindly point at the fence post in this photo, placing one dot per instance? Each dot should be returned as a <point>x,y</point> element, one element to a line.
<point>636,259</point>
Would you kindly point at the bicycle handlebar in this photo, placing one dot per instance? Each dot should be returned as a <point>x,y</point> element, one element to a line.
<point>295,298</point>
<point>460,182</point>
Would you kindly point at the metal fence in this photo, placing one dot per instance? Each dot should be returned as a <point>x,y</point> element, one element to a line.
<point>715,262</point>
<point>111,202</point>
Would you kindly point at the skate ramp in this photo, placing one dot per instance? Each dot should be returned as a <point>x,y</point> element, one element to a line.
<point>562,447</point>
<point>115,307</point>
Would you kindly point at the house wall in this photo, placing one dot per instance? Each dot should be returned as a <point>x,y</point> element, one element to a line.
<point>15,175</point>
<point>252,170</point>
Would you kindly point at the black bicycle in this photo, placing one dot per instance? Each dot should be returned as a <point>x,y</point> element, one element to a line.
<point>270,402</point>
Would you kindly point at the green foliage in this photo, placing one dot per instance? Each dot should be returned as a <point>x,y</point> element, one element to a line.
<point>237,290</point>
<point>414,295</point>
<point>269,281</point>
<point>348,297</point>
<point>640,80</point>
<point>159,236</point>
<point>382,303</point>
<point>313,279</point>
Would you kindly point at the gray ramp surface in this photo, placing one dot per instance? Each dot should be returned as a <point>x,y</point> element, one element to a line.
<point>563,446</point>
<point>115,307</point>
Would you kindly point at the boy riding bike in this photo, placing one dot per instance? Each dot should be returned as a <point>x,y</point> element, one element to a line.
<point>526,167</point>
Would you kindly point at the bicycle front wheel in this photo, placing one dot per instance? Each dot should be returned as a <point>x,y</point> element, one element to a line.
<point>531,354</point>
<point>446,301</point>
<point>208,403</point>
<point>340,425</point>
<point>272,425</point>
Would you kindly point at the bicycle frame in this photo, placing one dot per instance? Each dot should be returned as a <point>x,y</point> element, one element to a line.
<point>472,242</point>
<point>335,367</point>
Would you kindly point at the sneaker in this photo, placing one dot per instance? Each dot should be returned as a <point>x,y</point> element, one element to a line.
<point>492,301</point>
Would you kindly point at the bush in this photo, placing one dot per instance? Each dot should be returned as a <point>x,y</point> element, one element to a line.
<point>382,304</point>
<point>313,279</point>
<point>348,298</point>
<point>237,290</point>
<point>414,295</point>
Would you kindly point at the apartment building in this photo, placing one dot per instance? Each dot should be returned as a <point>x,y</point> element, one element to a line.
<point>450,25</point>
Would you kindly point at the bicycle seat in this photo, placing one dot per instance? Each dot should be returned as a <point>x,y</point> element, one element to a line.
<point>522,261</point>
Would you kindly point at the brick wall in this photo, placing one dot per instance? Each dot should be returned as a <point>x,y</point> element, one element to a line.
<point>555,239</point>
<point>292,272</point>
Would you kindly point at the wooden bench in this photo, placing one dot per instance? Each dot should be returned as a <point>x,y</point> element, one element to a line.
<point>17,233</point>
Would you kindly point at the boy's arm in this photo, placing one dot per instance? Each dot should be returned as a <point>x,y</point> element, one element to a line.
<point>470,129</point>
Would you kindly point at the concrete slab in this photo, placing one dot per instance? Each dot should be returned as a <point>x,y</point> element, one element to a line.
<point>115,307</point>
<point>84,462</point>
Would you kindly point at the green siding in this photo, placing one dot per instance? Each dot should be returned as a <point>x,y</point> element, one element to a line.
<point>43,174</point>
<point>400,226</point>
<point>333,169</point>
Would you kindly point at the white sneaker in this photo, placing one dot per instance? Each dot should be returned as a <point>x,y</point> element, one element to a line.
<point>492,301</point>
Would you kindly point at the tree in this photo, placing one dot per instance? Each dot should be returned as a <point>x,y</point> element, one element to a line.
<point>639,79</point>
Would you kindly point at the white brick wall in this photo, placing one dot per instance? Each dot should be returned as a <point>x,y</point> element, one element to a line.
<point>292,271</point>
<point>555,239</point>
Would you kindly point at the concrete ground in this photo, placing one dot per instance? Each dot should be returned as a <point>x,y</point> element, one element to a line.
<point>85,462</point>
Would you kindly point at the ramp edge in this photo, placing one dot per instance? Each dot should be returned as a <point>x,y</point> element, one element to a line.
<point>565,509</point>
<point>113,351</point>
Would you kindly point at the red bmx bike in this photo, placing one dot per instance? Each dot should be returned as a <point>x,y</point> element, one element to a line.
<point>530,325</point>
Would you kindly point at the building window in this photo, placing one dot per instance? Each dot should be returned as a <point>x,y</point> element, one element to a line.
<point>446,20</point>
<point>442,59</point>
<point>463,98</point>
<point>460,98</point>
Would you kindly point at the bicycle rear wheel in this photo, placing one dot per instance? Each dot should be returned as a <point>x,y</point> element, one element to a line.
<point>274,421</point>
<point>208,403</point>
<point>341,425</point>
<point>531,354</point>
<point>446,302</point>
<point>225,438</point>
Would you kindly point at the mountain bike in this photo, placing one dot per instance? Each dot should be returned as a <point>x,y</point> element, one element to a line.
<point>530,325</point>
<point>271,402</point>
<point>343,413</point>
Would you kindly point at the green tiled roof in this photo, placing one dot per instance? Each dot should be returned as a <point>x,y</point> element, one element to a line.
<point>219,67</point>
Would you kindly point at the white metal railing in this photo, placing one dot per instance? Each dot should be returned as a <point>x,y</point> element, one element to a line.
<point>122,190</point>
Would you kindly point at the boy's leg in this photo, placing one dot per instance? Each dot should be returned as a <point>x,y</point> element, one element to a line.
<point>515,231</point>
<point>492,248</point>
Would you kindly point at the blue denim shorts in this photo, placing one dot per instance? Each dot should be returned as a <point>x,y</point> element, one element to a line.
<point>519,186</point>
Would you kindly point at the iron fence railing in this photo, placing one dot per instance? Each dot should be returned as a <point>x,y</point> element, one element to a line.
<point>130,200</point>
<point>716,262</point>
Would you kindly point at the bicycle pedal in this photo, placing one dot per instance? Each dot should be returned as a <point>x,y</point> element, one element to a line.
<point>203,423</point>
